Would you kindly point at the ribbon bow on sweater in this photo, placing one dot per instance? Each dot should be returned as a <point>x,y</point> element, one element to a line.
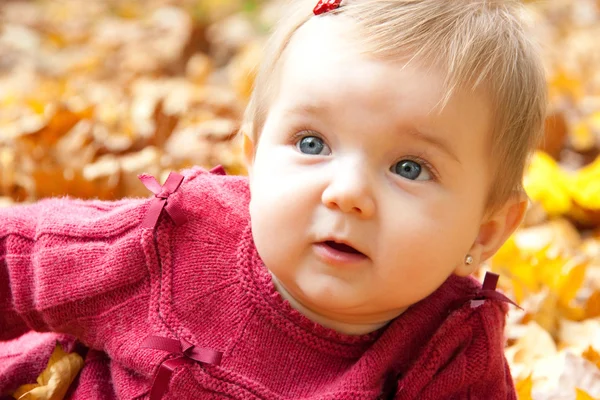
<point>161,195</point>
<point>488,291</point>
<point>186,352</point>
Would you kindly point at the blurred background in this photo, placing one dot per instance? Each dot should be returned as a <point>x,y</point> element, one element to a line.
<point>94,92</point>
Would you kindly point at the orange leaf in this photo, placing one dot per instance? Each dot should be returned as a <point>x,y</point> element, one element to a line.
<point>523,389</point>
<point>592,355</point>
<point>592,305</point>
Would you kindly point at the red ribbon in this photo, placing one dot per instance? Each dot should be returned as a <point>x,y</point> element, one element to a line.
<point>324,6</point>
<point>488,291</point>
<point>161,194</point>
<point>186,352</point>
<point>218,170</point>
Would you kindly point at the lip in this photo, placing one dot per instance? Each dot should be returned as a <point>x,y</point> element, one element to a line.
<point>334,256</point>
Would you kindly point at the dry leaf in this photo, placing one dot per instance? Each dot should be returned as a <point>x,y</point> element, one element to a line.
<point>580,374</point>
<point>534,346</point>
<point>572,282</point>
<point>585,186</point>
<point>592,355</point>
<point>91,95</point>
<point>199,68</point>
<point>244,68</point>
<point>582,395</point>
<point>547,184</point>
<point>579,335</point>
<point>555,134</point>
<point>54,381</point>
<point>592,305</point>
<point>523,389</point>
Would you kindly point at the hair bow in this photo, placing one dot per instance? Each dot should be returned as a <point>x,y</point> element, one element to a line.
<point>324,6</point>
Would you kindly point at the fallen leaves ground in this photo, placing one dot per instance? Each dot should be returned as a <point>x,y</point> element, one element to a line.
<point>93,93</point>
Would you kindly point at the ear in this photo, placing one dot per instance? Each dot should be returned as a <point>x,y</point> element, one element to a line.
<point>495,229</point>
<point>248,149</point>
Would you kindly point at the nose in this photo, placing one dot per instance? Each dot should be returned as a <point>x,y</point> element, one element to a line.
<point>350,191</point>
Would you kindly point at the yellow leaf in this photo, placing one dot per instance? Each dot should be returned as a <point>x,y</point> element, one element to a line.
<point>581,395</point>
<point>524,279</point>
<point>572,283</point>
<point>508,252</point>
<point>585,186</point>
<point>573,313</point>
<point>523,389</point>
<point>516,264</point>
<point>583,133</point>
<point>566,83</point>
<point>54,381</point>
<point>548,314</point>
<point>547,184</point>
<point>582,136</point>
<point>550,271</point>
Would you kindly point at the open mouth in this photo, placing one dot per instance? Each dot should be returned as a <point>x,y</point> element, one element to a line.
<point>342,247</point>
<point>337,254</point>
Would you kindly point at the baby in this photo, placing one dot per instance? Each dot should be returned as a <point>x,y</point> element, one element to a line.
<point>386,142</point>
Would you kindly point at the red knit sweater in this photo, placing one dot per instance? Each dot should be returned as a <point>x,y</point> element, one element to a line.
<point>87,269</point>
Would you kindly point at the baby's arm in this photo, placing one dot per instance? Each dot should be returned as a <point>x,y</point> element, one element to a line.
<point>68,266</point>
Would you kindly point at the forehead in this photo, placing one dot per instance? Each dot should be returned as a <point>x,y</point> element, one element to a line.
<point>324,67</point>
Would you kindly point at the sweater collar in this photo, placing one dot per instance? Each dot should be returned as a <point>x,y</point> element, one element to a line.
<point>421,317</point>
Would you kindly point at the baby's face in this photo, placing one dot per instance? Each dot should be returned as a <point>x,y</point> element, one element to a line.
<point>354,151</point>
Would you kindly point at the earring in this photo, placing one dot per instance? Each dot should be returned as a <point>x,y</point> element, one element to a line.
<point>469,259</point>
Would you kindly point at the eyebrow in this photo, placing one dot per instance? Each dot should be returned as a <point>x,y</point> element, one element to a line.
<point>307,108</point>
<point>437,142</point>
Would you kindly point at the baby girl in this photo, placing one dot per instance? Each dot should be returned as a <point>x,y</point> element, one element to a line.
<point>386,142</point>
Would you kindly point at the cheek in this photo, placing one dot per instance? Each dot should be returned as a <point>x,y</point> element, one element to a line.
<point>421,256</point>
<point>277,194</point>
<point>281,215</point>
<point>429,235</point>
<point>282,187</point>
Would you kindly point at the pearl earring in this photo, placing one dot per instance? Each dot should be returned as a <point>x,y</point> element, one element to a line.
<point>469,259</point>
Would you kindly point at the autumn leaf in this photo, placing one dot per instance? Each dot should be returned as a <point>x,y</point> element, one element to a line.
<point>585,186</point>
<point>592,305</point>
<point>592,355</point>
<point>581,395</point>
<point>582,136</point>
<point>579,335</point>
<point>134,86</point>
<point>580,374</point>
<point>54,381</point>
<point>546,183</point>
<point>566,83</point>
<point>523,389</point>
<point>572,282</point>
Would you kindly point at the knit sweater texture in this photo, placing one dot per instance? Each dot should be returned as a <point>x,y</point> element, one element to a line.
<point>87,270</point>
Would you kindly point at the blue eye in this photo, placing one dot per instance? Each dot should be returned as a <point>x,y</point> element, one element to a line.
<point>312,145</point>
<point>412,170</point>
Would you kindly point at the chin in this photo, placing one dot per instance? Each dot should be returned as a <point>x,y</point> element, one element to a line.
<point>329,298</point>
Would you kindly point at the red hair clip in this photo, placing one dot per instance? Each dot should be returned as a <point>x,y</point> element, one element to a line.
<point>324,6</point>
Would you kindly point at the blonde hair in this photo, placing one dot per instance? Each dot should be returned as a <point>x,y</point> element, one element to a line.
<point>475,42</point>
